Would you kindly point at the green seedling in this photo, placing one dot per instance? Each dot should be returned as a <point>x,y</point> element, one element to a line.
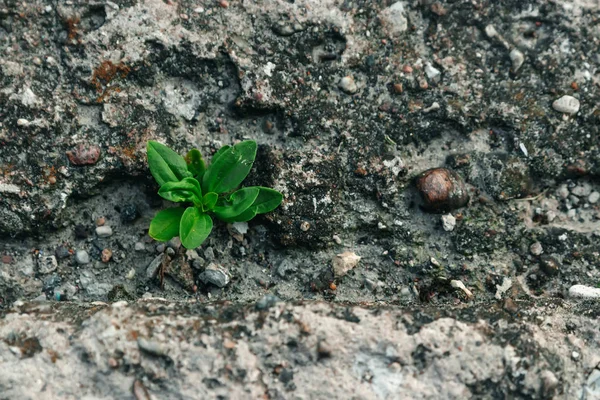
<point>207,192</point>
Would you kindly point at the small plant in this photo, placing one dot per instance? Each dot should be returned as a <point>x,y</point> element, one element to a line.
<point>208,191</point>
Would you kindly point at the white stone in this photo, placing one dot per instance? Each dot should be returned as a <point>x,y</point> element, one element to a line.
<point>394,19</point>
<point>517,59</point>
<point>22,122</point>
<point>448,222</point>
<point>9,188</point>
<point>584,291</point>
<point>29,98</point>
<point>593,197</point>
<point>566,104</point>
<point>536,249</point>
<point>104,231</point>
<point>582,190</point>
<point>240,227</point>
<point>82,257</point>
<point>344,262</point>
<point>348,85</point>
<point>139,246</point>
<point>432,73</point>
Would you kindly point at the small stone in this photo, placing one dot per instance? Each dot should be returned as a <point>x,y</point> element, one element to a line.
<point>62,252</point>
<point>433,73</point>
<point>563,191</point>
<point>161,247</point>
<point>593,197</point>
<point>240,227</point>
<point>106,255</point>
<point>407,69</point>
<point>566,104</point>
<point>442,190</point>
<point>549,383</point>
<point>47,264</point>
<point>267,301</point>
<point>151,347</point>
<point>584,291</point>
<point>536,249</point>
<point>104,231</point>
<point>209,254</point>
<point>216,275</point>
<point>448,222</point>
<point>131,274</point>
<point>153,266</point>
<point>170,251</point>
<point>348,85</point>
<point>82,257</point>
<point>394,19</point>
<point>324,349</point>
<point>84,155</point>
<point>129,213</point>
<point>397,88</point>
<point>139,246</point>
<point>517,58</point>
<point>337,239</point>
<point>304,226</point>
<point>344,262</point>
<point>549,265</point>
<point>174,243</point>
<point>100,221</point>
<point>6,259</point>
<point>575,355</point>
<point>582,190</point>
<point>22,122</point>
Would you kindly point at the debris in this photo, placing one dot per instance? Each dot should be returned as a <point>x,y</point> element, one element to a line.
<point>344,262</point>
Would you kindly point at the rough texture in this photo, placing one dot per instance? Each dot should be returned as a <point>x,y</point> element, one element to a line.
<point>300,351</point>
<point>463,85</point>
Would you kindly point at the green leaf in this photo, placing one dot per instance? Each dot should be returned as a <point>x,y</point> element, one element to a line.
<point>165,165</point>
<point>194,228</point>
<point>230,168</point>
<point>195,163</point>
<point>219,153</point>
<point>210,200</point>
<point>268,199</point>
<point>186,190</point>
<point>237,203</point>
<point>165,225</point>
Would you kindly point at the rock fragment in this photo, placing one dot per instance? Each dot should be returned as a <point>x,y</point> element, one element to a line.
<point>216,275</point>
<point>448,222</point>
<point>344,262</point>
<point>82,257</point>
<point>84,155</point>
<point>549,265</point>
<point>517,58</point>
<point>536,249</point>
<point>584,291</point>
<point>348,85</point>
<point>566,104</point>
<point>47,264</point>
<point>442,190</point>
<point>104,231</point>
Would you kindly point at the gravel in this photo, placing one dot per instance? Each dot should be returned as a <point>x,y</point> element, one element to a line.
<point>104,231</point>
<point>566,104</point>
<point>216,275</point>
<point>82,257</point>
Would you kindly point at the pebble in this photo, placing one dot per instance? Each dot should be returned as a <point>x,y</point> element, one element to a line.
<point>394,18</point>
<point>433,73</point>
<point>517,58</point>
<point>139,246</point>
<point>267,301</point>
<point>584,291</point>
<point>82,257</point>
<point>582,190</point>
<point>448,222</point>
<point>100,221</point>
<point>304,226</point>
<point>128,213</point>
<point>151,347</point>
<point>549,265</point>
<point>344,262</point>
<point>442,190</point>
<point>593,197</point>
<point>106,255</point>
<point>161,247</point>
<point>209,254</point>
<point>549,383</point>
<point>104,231</point>
<point>348,85</point>
<point>153,266</point>
<point>174,243</point>
<point>566,104</point>
<point>563,191</point>
<point>536,249</point>
<point>47,264</point>
<point>216,275</point>
<point>84,155</point>
<point>62,252</point>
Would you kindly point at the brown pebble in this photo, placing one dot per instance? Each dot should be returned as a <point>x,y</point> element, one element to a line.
<point>113,363</point>
<point>106,255</point>
<point>361,171</point>
<point>574,86</point>
<point>442,190</point>
<point>6,259</point>
<point>51,180</point>
<point>407,69</point>
<point>423,84</point>
<point>84,155</point>
<point>100,221</point>
<point>228,344</point>
<point>139,391</point>
<point>510,306</point>
<point>397,88</point>
<point>224,3</point>
<point>332,286</point>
